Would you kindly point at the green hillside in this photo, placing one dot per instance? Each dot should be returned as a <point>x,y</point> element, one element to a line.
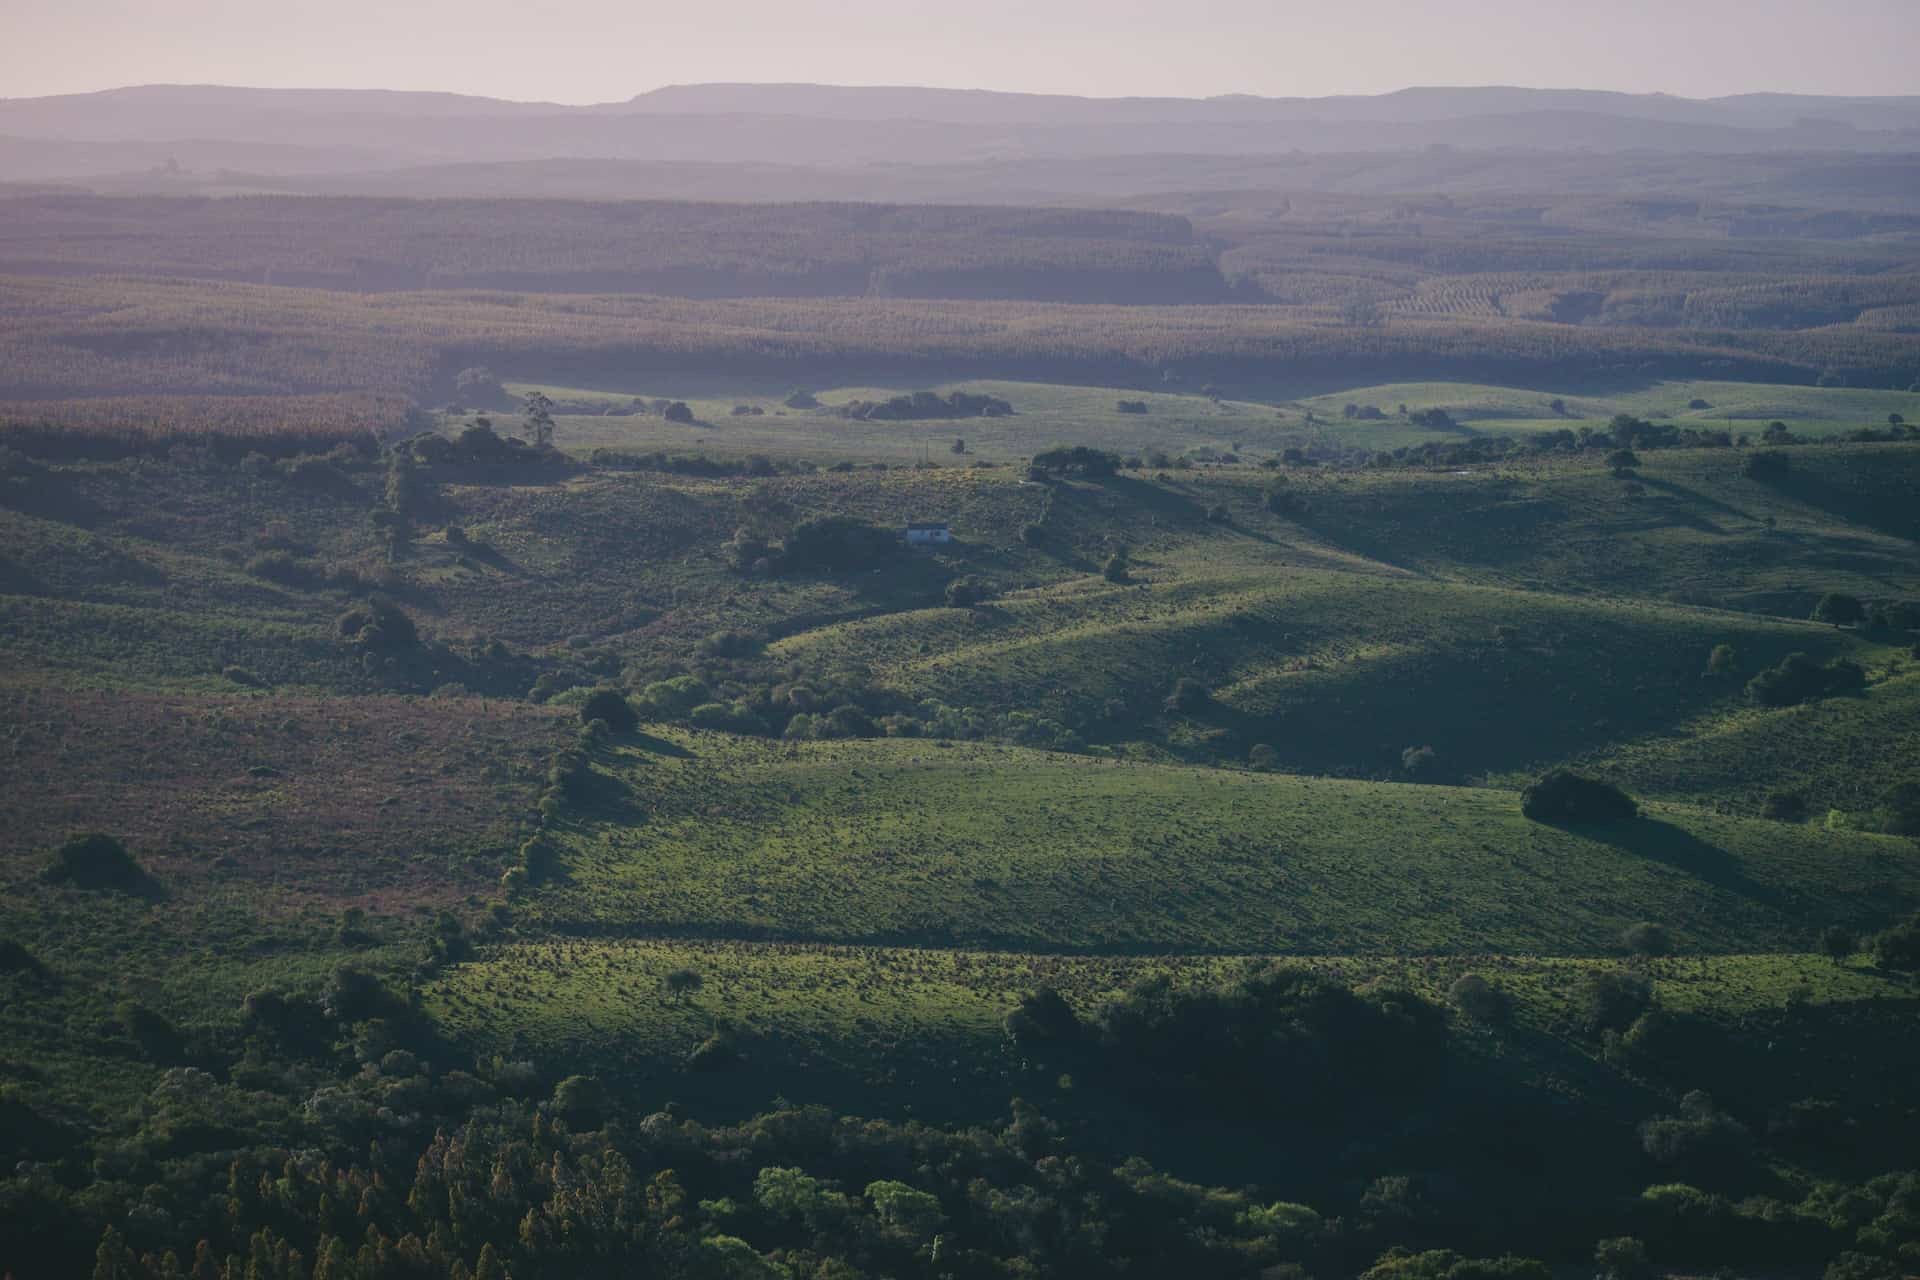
<point>922,841</point>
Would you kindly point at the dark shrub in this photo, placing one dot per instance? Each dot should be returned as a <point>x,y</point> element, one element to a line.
<point>849,721</point>
<point>96,861</point>
<point>1077,459</point>
<point>1899,947</point>
<point>678,411</point>
<point>1032,535</point>
<point>1131,406</point>
<point>716,1053</point>
<point>1116,569</point>
<point>1043,1017</point>
<point>477,386</point>
<point>802,400</point>
<point>158,1039</point>
<point>1837,942</point>
<point>1479,999</point>
<point>581,1101</point>
<point>378,626</point>
<point>1839,608</point>
<point>1610,1000</point>
<point>963,593</point>
<point>1701,1137</point>
<point>1799,679</point>
<point>15,958</point>
<point>1188,696</point>
<point>1563,796</point>
<point>1898,812</point>
<point>838,543</point>
<point>1784,806</point>
<point>611,706</point>
<point>354,995</point>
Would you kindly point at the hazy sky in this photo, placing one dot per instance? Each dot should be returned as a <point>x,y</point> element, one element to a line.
<point>604,50</point>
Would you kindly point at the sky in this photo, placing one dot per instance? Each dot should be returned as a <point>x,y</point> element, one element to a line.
<point>581,51</point>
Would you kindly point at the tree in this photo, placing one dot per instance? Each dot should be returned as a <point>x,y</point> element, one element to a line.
<point>1724,660</point>
<point>1839,608</point>
<point>610,705</point>
<point>580,1101</point>
<point>478,387</point>
<point>905,1210</point>
<point>1076,459</point>
<point>1116,568</point>
<point>682,985</point>
<point>1621,1258</point>
<point>1838,942</point>
<point>1895,420</point>
<point>964,593</point>
<point>539,415</point>
<point>960,444</point>
<point>677,411</point>
<point>1262,757</point>
<point>1417,759</point>
<point>1563,796</point>
<point>1622,460</point>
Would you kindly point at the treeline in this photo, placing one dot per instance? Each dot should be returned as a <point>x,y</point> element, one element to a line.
<point>564,246</point>
<point>177,344</point>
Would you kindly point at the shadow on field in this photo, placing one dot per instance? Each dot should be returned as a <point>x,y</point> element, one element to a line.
<point>659,746</point>
<point>1659,841</point>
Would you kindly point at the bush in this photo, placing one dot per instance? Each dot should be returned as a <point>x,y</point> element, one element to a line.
<point>15,958</point>
<point>378,626</point>
<point>1622,1257</point>
<point>1131,406</point>
<point>1188,696</point>
<point>1563,796</point>
<point>581,1101</point>
<point>1043,1017</point>
<point>1077,459</point>
<point>839,543</point>
<point>96,861</point>
<point>673,698</point>
<point>677,411</point>
<point>1116,569</point>
<point>1417,759</point>
<point>1610,1000</point>
<point>1899,947</point>
<point>158,1039</point>
<point>1799,679</point>
<point>1784,806</point>
<point>1898,813</point>
<point>1479,999</point>
<point>1262,757</point>
<point>964,593</point>
<point>1724,660</point>
<point>611,706</point>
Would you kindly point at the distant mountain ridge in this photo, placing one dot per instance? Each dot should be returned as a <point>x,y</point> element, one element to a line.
<point>267,134</point>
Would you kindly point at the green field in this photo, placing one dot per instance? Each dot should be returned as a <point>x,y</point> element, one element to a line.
<point>1253,420</point>
<point>1001,847</point>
